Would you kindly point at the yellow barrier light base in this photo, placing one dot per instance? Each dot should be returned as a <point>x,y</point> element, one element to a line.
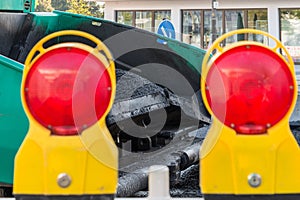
<point>252,197</point>
<point>69,197</point>
<point>56,161</point>
<point>262,163</point>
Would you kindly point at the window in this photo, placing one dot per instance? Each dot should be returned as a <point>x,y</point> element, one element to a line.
<point>207,27</point>
<point>234,19</point>
<point>125,17</point>
<point>191,27</point>
<point>145,19</point>
<point>227,20</point>
<point>258,19</point>
<point>290,31</point>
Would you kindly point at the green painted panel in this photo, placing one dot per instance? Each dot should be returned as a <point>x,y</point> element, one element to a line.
<point>13,121</point>
<point>12,5</point>
<point>46,22</point>
<point>192,54</point>
<point>17,5</point>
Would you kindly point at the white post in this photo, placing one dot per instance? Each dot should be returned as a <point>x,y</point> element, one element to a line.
<point>273,23</point>
<point>159,183</point>
<point>175,19</point>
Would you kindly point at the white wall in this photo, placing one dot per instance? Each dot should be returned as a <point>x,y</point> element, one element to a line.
<point>174,6</point>
<point>177,5</point>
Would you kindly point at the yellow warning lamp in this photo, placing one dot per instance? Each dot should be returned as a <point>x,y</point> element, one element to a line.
<point>67,91</point>
<point>249,152</point>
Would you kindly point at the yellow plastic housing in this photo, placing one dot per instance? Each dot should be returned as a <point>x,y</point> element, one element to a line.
<point>228,159</point>
<point>89,160</point>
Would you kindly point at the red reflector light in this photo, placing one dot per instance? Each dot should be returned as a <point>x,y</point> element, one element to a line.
<point>67,90</point>
<point>249,88</point>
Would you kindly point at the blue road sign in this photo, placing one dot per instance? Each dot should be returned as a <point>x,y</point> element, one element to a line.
<point>166,29</point>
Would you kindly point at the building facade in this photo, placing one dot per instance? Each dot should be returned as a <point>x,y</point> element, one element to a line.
<point>192,19</point>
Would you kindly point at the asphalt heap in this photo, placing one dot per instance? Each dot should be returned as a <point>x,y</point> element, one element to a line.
<point>135,96</point>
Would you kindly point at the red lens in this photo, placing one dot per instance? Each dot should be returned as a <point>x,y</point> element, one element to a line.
<point>67,90</point>
<point>249,88</point>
